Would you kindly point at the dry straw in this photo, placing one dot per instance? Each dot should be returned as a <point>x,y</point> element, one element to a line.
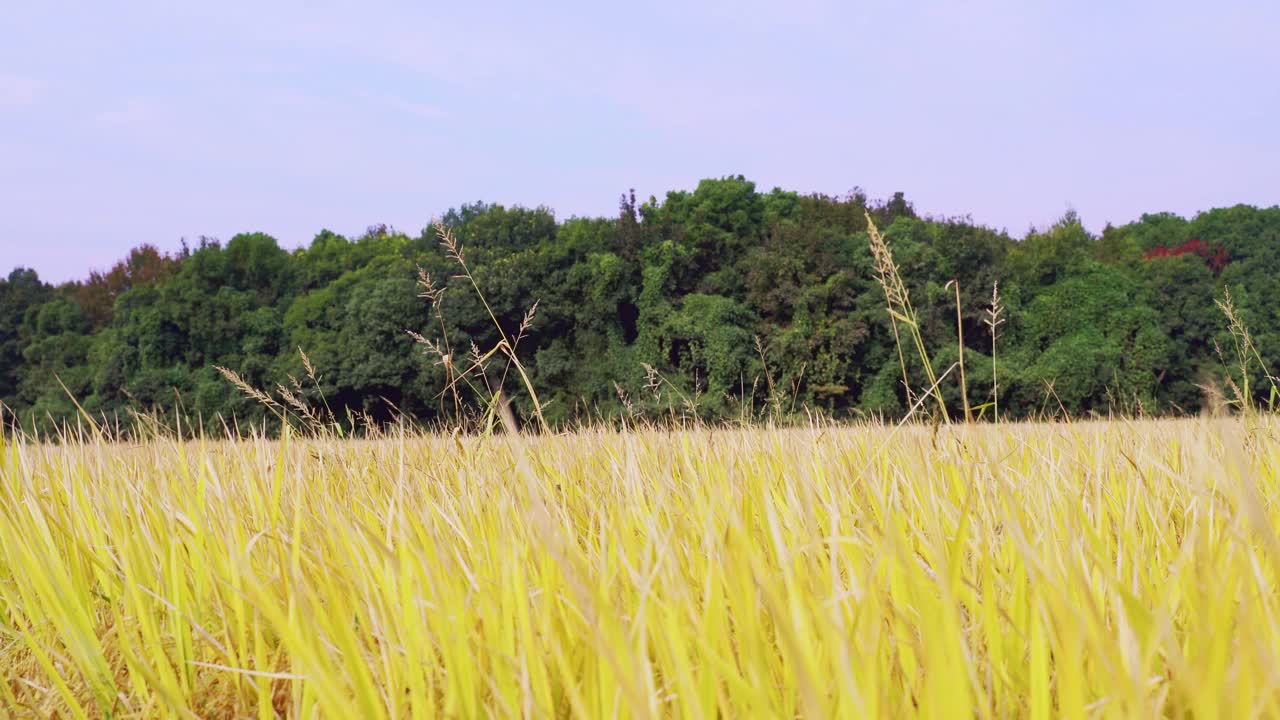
<point>1112,569</point>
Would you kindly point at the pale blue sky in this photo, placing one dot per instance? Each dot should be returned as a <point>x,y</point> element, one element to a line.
<point>131,122</point>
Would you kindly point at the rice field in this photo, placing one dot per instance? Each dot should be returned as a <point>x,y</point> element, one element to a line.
<point>1102,569</point>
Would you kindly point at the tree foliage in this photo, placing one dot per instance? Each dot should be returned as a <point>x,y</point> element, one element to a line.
<point>724,296</point>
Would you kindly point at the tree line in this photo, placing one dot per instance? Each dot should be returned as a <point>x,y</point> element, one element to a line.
<point>723,302</point>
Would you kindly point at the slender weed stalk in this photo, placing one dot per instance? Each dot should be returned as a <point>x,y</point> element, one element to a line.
<point>775,397</point>
<point>994,319</point>
<point>505,347</point>
<point>964,387</point>
<point>900,309</point>
<point>292,405</point>
<point>1246,355</point>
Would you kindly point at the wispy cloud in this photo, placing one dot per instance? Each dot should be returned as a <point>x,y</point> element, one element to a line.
<point>19,91</point>
<point>415,108</point>
<point>425,111</point>
<point>134,115</point>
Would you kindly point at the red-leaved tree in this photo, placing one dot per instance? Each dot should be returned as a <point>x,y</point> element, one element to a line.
<point>1215,256</point>
<point>145,265</point>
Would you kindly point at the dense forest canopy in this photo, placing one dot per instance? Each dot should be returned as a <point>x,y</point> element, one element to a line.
<point>738,300</point>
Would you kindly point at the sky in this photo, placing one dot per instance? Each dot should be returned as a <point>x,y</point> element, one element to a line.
<point>146,122</point>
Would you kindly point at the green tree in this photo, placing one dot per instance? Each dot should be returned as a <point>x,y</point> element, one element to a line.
<point>19,292</point>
